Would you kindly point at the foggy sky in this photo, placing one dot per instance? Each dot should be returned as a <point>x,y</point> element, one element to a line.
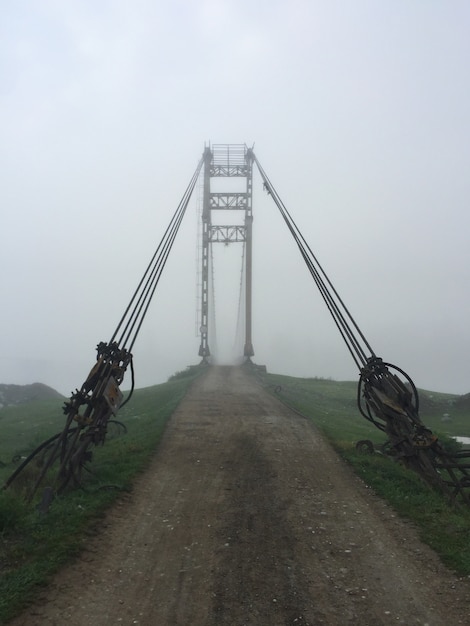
<point>359,113</point>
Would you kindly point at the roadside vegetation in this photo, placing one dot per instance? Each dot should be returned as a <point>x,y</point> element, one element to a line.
<point>34,546</point>
<point>332,407</point>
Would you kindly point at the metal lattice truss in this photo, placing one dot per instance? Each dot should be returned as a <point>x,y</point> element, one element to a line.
<point>227,234</point>
<point>229,160</point>
<point>228,201</point>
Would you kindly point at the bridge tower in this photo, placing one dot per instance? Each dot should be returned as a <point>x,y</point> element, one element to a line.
<point>224,161</point>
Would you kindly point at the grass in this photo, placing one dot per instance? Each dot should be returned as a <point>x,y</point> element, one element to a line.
<point>34,546</point>
<point>331,405</point>
<point>24,426</point>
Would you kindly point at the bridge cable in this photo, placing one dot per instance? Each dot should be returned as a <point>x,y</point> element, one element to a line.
<point>238,329</point>
<point>90,408</point>
<point>131,322</point>
<point>387,396</point>
<point>213,316</point>
<point>356,342</point>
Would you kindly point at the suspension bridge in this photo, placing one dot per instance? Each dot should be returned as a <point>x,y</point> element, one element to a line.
<point>387,396</point>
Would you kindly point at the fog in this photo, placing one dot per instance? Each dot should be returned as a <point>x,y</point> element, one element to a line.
<point>357,111</point>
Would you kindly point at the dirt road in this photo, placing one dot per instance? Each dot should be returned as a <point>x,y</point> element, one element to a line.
<point>247,517</point>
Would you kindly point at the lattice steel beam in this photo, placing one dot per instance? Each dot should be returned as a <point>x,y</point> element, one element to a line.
<point>227,234</point>
<point>229,201</point>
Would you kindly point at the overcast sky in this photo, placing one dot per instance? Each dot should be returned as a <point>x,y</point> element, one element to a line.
<point>359,112</point>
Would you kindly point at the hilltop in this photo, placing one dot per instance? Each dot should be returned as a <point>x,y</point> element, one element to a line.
<point>22,394</point>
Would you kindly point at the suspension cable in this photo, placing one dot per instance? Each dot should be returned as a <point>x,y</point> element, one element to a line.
<point>240,300</point>
<point>213,317</point>
<point>131,322</point>
<point>355,340</point>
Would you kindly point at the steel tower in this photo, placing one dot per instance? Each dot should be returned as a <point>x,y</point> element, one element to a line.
<point>226,161</point>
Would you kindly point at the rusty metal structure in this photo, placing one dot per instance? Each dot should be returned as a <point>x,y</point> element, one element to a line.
<point>387,396</point>
<point>89,412</point>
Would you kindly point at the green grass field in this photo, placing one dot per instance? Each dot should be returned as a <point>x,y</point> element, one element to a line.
<point>335,406</point>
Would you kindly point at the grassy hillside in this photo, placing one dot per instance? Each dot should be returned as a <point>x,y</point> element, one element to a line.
<point>32,546</point>
<point>18,394</point>
<point>24,426</point>
<point>335,407</point>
